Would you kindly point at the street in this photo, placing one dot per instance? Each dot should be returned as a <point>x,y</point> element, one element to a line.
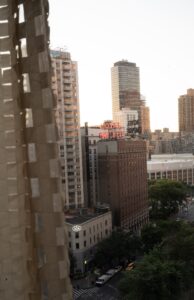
<point>108,292</point>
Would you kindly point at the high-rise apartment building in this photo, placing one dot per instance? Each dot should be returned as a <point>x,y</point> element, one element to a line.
<point>34,261</point>
<point>186,112</point>
<point>123,181</point>
<point>126,93</point>
<point>145,119</point>
<point>65,88</point>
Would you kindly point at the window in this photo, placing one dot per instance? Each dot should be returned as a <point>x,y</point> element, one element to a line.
<point>84,243</point>
<point>84,232</point>
<point>106,222</point>
<point>77,235</point>
<point>69,234</point>
<point>77,245</point>
<point>69,245</point>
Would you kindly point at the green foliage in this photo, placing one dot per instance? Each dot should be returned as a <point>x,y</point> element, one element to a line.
<point>153,234</point>
<point>154,279</point>
<point>165,196</point>
<point>167,272</point>
<point>115,249</point>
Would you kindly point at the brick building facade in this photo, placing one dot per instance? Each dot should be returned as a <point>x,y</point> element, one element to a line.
<point>123,181</point>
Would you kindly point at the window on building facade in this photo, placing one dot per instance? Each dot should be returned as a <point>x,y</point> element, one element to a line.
<point>77,245</point>
<point>77,235</point>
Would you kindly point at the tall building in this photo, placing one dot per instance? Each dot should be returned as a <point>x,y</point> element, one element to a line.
<point>123,181</point>
<point>126,93</point>
<point>91,135</point>
<point>125,81</point>
<point>33,253</point>
<point>145,120</point>
<point>65,88</point>
<point>186,112</point>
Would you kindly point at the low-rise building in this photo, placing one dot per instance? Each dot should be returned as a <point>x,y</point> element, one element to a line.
<point>85,231</point>
<point>179,167</point>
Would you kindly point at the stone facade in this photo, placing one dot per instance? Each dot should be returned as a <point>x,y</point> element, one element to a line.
<point>33,254</point>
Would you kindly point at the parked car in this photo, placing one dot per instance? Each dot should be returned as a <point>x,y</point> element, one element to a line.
<point>118,269</point>
<point>111,272</point>
<point>102,280</point>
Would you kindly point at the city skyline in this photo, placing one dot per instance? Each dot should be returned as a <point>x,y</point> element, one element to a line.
<point>153,34</point>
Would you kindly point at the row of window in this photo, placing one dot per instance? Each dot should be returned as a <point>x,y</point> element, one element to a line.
<point>77,245</point>
<point>77,234</point>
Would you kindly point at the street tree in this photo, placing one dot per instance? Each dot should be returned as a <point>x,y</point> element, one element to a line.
<point>155,278</point>
<point>165,197</point>
<point>119,247</point>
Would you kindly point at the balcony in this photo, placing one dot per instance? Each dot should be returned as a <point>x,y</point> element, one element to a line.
<point>67,94</point>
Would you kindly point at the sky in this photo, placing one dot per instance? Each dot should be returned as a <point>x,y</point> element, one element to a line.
<point>158,35</point>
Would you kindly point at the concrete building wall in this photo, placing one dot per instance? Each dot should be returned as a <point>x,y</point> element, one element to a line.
<point>83,242</point>
<point>174,167</point>
<point>145,119</point>
<point>65,88</point>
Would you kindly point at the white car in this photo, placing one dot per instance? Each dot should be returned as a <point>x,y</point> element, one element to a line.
<point>111,272</point>
<point>118,269</point>
<point>102,280</point>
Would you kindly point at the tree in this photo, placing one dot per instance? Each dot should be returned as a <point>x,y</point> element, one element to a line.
<point>120,246</point>
<point>167,271</point>
<point>165,196</point>
<point>151,236</point>
<point>155,233</point>
<point>155,278</point>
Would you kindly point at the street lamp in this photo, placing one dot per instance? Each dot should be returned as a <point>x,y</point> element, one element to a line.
<point>85,265</point>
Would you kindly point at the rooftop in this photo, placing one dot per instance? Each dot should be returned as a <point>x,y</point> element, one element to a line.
<point>124,63</point>
<point>80,219</point>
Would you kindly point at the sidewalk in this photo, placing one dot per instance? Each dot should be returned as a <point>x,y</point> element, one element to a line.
<point>85,283</point>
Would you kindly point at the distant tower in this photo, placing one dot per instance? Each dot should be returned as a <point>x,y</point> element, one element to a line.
<point>65,88</point>
<point>125,81</point>
<point>33,248</point>
<point>186,112</point>
<point>126,94</point>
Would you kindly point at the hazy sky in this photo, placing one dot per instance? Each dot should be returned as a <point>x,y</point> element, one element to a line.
<point>158,35</point>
